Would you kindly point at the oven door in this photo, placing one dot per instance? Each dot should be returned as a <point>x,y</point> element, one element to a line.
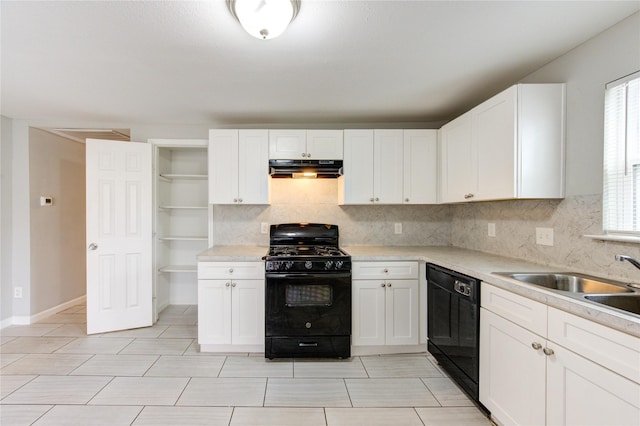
<point>308,305</point>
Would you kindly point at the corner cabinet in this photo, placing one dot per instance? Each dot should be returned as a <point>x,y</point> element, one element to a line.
<point>577,373</point>
<point>510,146</point>
<point>385,306</point>
<point>180,218</point>
<point>239,166</point>
<point>389,166</point>
<point>231,306</point>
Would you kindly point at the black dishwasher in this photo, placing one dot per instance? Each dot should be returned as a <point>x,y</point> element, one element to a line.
<point>453,326</point>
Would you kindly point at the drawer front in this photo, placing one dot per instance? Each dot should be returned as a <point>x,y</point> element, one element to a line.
<point>384,270</point>
<point>525,312</point>
<point>613,349</point>
<point>230,270</point>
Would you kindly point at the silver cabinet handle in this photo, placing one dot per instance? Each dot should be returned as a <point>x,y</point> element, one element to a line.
<point>548,351</point>
<point>233,284</point>
<point>239,200</point>
<point>371,199</point>
<point>377,199</point>
<point>386,271</point>
<point>227,284</point>
<point>406,200</point>
<point>382,285</point>
<point>235,200</point>
<point>467,196</point>
<point>536,346</point>
<point>389,285</point>
<point>231,270</point>
<point>93,246</point>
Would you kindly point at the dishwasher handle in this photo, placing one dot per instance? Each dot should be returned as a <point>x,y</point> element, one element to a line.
<point>462,288</point>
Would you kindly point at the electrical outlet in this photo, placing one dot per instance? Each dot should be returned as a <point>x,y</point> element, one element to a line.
<point>397,228</point>
<point>544,236</point>
<point>491,230</point>
<point>17,292</point>
<point>264,228</point>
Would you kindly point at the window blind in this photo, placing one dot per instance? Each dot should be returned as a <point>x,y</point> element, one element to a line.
<point>621,192</point>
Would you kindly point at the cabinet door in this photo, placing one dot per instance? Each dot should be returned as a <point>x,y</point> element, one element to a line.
<point>581,392</point>
<point>253,167</point>
<point>402,312</point>
<point>356,186</point>
<point>287,144</point>
<point>512,372</point>
<point>494,133</point>
<point>214,312</point>
<point>247,307</point>
<point>325,144</point>
<point>457,164</point>
<point>420,167</point>
<point>388,162</point>
<point>223,166</point>
<point>368,312</point>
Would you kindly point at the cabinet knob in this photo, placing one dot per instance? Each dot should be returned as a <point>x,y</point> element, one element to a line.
<point>377,199</point>
<point>93,246</point>
<point>386,271</point>
<point>231,270</point>
<point>227,284</point>
<point>235,200</point>
<point>371,199</point>
<point>467,196</point>
<point>537,346</point>
<point>389,285</point>
<point>548,351</point>
<point>233,284</point>
<point>406,200</point>
<point>239,200</point>
<point>304,154</point>
<point>382,285</point>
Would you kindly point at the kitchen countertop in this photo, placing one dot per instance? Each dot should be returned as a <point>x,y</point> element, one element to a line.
<point>473,263</point>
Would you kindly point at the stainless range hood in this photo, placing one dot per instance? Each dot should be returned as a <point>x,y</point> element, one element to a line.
<point>305,168</point>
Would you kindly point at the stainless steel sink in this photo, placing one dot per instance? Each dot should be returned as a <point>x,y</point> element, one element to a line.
<point>628,303</point>
<point>570,282</point>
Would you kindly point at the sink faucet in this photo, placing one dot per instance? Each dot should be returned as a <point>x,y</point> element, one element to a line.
<point>631,260</point>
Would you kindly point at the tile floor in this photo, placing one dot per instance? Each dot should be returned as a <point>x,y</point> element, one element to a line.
<point>52,373</point>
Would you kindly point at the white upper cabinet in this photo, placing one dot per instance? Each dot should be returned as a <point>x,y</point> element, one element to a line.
<point>373,167</point>
<point>420,166</point>
<point>510,146</point>
<point>305,144</point>
<point>238,166</point>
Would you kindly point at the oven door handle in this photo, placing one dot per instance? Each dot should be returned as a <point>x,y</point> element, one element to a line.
<point>305,275</point>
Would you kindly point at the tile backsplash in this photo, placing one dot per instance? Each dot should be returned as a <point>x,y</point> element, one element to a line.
<point>461,225</point>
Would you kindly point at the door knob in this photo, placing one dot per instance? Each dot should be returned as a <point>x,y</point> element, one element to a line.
<point>93,246</point>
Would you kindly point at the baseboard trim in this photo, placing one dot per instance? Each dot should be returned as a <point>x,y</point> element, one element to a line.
<point>26,320</point>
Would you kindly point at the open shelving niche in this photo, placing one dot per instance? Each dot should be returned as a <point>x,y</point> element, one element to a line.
<point>181,218</point>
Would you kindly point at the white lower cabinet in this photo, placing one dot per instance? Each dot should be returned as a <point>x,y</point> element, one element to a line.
<point>531,378</point>
<point>231,306</point>
<point>385,303</point>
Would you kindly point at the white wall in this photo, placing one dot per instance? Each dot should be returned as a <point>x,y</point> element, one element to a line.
<point>586,69</point>
<point>58,255</point>
<point>6,288</point>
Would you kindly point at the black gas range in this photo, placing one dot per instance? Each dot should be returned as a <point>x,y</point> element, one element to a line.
<point>308,293</point>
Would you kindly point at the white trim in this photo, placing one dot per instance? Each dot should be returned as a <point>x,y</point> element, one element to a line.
<point>26,320</point>
<point>619,238</point>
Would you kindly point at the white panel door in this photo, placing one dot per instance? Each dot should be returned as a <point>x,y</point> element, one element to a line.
<point>457,164</point>
<point>357,182</point>
<point>247,312</point>
<point>253,167</point>
<point>223,166</point>
<point>214,312</point>
<point>580,392</point>
<point>368,312</point>
<point>119,235</point>
<point>402,312</point>
<point>285,144</point>
<point>420,166</point>
<point>388,162</point>
<point>325,144</point>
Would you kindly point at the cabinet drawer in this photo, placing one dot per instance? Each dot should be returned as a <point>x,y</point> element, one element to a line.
<point>613,349</point>
<point>234,270</point>
<point>384,270</point>
<point>525,312</point>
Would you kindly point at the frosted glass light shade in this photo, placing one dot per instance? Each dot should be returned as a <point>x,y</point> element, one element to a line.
<point>264,19</point>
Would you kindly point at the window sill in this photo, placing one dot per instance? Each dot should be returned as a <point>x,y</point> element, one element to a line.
<point>619,238</point>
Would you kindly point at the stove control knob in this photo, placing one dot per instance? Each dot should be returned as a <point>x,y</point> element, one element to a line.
<point>308,325</point>
<point>308,264</point>
<point>328,264</point>
<point>339,264</point>
<point>288,265</point>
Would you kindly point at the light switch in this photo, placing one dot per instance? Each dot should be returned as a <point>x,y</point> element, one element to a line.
<point>491,230</point>
<point>46,200</point>
<point>544,236</point>
<point>398,228</point>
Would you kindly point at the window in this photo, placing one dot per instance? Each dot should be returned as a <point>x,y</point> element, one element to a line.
<point>621,194</point>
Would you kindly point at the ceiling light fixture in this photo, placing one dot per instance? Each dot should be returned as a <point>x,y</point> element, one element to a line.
<point>264,19</point>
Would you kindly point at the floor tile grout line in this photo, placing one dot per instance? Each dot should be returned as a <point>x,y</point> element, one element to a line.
<point>100,390</point>
<point>182,392</point>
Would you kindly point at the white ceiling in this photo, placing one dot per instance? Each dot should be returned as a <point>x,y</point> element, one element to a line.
<point>190,62</point>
